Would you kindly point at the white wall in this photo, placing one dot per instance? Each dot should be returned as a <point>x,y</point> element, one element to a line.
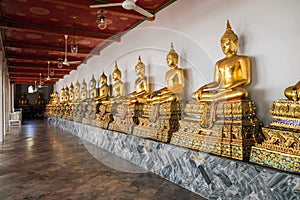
<point>268,32</point>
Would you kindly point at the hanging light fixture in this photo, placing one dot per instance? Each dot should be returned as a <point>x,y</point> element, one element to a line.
<point>52,72</point>
<point>101,20</point>
<point>60,62</point>
<point>74,47</point>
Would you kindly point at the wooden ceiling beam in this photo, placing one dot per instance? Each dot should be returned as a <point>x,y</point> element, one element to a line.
<point>33,73</point>
<point>31,82</point>
<point>15,25</point>
<point>55,49</point>
<point>52,59</point>
<point>35,68</point>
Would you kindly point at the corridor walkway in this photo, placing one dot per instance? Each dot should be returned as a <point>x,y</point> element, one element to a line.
<point>38,161</point>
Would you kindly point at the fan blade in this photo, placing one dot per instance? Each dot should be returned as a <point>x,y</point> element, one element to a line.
<point>143,11</point>
<point>75,62</point>
<point>105,5</point>
<point>66,63</point>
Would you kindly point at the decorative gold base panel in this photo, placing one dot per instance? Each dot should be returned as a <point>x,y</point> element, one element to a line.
<point>162,135</point>
<point>234,148</point>
<point>278,160</point>
<point>123,128</point>
<point>101,124</point>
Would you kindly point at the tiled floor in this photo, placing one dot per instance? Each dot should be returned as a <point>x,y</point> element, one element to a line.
<point>41,162</point>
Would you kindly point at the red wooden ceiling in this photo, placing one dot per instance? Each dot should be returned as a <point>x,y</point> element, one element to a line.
<point>32,33</point>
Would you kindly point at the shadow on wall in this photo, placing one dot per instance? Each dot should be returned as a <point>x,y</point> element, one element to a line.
<point>262,106</point>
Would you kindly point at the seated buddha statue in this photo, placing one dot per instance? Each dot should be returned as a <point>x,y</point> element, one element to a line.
<point>77,91</point>
<point>174,81</point>
<point>141,86</point>
<point>71,93</point>
<point>232,73</point>
<point>104,89</point>
<point>62,95</point>
<point>66,94</point>
<point>93,89</point>
<point>54,97</point>
<point>103,103</point>
<point>293,92</point>
<point>83,90</point>
<point>39,101</point>
<point>118,87</point>
<point>23,101</point>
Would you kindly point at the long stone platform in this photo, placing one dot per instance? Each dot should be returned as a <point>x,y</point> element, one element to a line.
<point>210,176</point>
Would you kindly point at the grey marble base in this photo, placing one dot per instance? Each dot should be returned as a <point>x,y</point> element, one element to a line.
<point>210,176</point>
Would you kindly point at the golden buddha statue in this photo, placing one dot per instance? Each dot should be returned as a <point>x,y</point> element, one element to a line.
<point>293,92</point>
<point>23,101</point>
<point>54,97</point>
<point>141,86</point>
<point>83,90</point>
<point>93,89</point>
<point>39,101</point>
<point>118,87</point>
<point>104,89</point>
<point>174,81</point>
<point>66,94</point>
<point>77,91</point>
<point>126,115</point>
<point>62,95</point>
<point>232,73</point>
<point>71,93</point>
<point>103,115</point>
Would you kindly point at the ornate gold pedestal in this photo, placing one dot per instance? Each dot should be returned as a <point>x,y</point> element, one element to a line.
<point>90,112</point>
<point>80,111</point>
<point>104,116</point>
<point>50,110</point>
<point>281,148</point>
<point>125,118</point>
<point>158,121</point>
<point>61,110</point>
<point>227,128</point>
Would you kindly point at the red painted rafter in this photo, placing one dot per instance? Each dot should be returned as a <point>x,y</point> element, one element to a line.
<point>57,49</point>
<point>34,68</point>
<point>15,25</point>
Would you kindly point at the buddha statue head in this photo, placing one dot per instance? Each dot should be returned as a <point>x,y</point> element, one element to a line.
<point>116,73</point>
<point>140,68</point>
<point>172,58</point>
<point>93,82</point>
<point>103,79</point>
<point>229,41</point>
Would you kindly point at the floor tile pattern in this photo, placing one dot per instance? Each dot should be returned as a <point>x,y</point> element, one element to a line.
<point>38,161</point>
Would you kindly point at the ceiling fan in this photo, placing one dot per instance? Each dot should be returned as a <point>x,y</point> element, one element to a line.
<point>128,5</point>
<point>66,62</point>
